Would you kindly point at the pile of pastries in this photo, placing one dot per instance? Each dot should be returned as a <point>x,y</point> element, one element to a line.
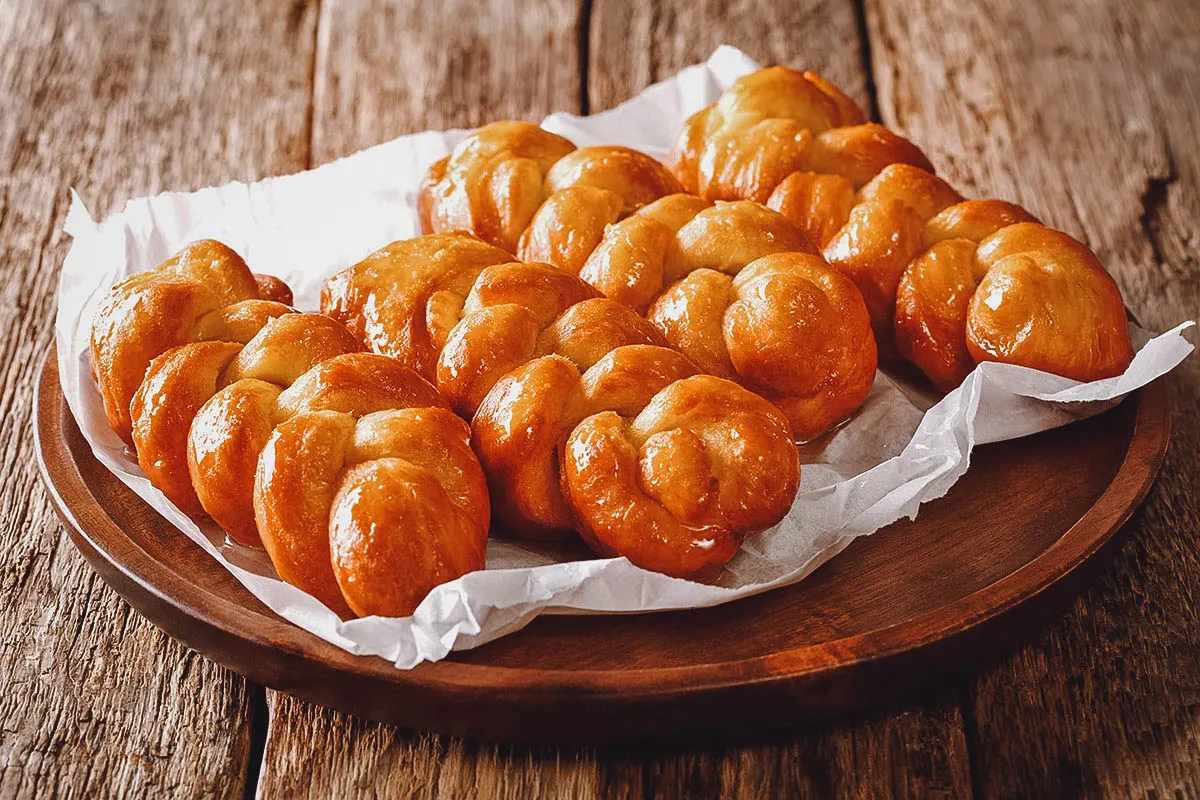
<point>585,342</point>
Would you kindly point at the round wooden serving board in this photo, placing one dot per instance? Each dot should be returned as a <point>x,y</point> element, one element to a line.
<point>976,572</point>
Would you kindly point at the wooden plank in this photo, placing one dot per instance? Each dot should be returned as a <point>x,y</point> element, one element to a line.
<point>912,753</point>
<point>390,67</point>
<point>919,752</point>
<point>1086,113</point>
<point>907,754</point>
<point>117,100</point>
<point>329,754</point>
<point>632,47</point>
<point>384,69</point>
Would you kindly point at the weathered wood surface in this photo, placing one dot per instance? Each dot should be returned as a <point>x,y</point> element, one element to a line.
<point>118,100</point>
<point>474,61</point>
<point>1086,114</point>
<point>310,748</point>
<point>1089,118</point>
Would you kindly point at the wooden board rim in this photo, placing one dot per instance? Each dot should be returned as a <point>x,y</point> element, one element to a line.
<point>1081,541</point>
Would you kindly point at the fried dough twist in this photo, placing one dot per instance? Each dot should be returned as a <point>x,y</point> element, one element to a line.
<point>870,201</point>
<point>644,456</point>
<point>345,465</point>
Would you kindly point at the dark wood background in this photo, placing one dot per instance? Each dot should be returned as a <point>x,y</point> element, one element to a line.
<point>1085,111</point>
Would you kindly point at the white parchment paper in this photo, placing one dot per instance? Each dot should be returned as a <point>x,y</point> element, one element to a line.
<point>902,450</point>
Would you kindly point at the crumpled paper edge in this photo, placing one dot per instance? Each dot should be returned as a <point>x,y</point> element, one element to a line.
<point>483,606</point>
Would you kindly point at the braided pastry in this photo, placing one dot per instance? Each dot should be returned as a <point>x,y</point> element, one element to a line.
<point>869,199</point>
<point>995,286</point>
<point>203,292</point>
<point>492,183</point>
<point>466,334</point>
<point>517,312</point>
<point>1062,313</point>
<point>777,121</point>
<point>299,442</point>
<point>787,327</point>
<point>643,456</point>
<point>879,236</point>
<point>619,220</point>
<point>513,362</point>
<point>495,180</point>
<point>403,299</point>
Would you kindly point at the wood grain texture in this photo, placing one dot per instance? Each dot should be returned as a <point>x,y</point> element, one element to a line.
<point>634,45</point>
<point>904,754</point>
<point>389,67</point>
<point>117,99</point>
<point>904,608</point>
<point>477,62</point>
<point>1087,115</point>
<point>627,52</point>
<point>917,752</point>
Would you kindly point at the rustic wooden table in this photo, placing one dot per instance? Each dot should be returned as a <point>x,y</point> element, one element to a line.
<point>1087,114</point>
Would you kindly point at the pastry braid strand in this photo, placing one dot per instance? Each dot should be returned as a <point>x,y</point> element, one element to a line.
<point>345,465</point>
<point>790,329</point>
<point>644,456</point>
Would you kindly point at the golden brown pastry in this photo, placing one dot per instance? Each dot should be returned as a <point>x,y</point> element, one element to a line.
<point>403,299</point>
<point>204,292</point>
<point>777,121</point>
<point>870,201</point>
<point>881,234</point>
<point>517,312</point>
<point>360,482</point>
<point>711,461</point>
<point>619,220</point>
<point>908,240</point>
<point>994,285</point>
<point>643,456</point>
<point>369,514</point>
<point>492,182</point>
<point>743,292</point>
<point>592,188</point>
<point>510,184</point>
<point>465,326</point>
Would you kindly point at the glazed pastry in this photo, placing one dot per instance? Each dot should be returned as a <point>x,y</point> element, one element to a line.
<point>619,220</point>
<point>513,362</point>
<point>492,183</point>
<point>499,176</point>
<point>463,325</point>
<point>880,235</point>
<point>205,292</point>
<point>777,121</point>
<point>345,465</point>
<point>994,285</point>
<point>403,299</point>
<point>744,293</point>
<point>592,188</point>
<point>870,201</point>
<point>644,457</point>
<point>908,240</point>
<point>517,312</point>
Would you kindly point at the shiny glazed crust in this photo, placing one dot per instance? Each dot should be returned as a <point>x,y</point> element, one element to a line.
<point>620,221</point>
<point>642,455</point>
<point>524,361</point>
<point>299,442</point>
<point>870,201</point>
<point>403,299</point>
<point>995,286</point>
<point>203,292</point>
<point>492,183</point>
<point>777,121</point>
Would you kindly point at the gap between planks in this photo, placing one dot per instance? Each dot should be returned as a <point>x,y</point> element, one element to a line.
<point>259,712</point>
